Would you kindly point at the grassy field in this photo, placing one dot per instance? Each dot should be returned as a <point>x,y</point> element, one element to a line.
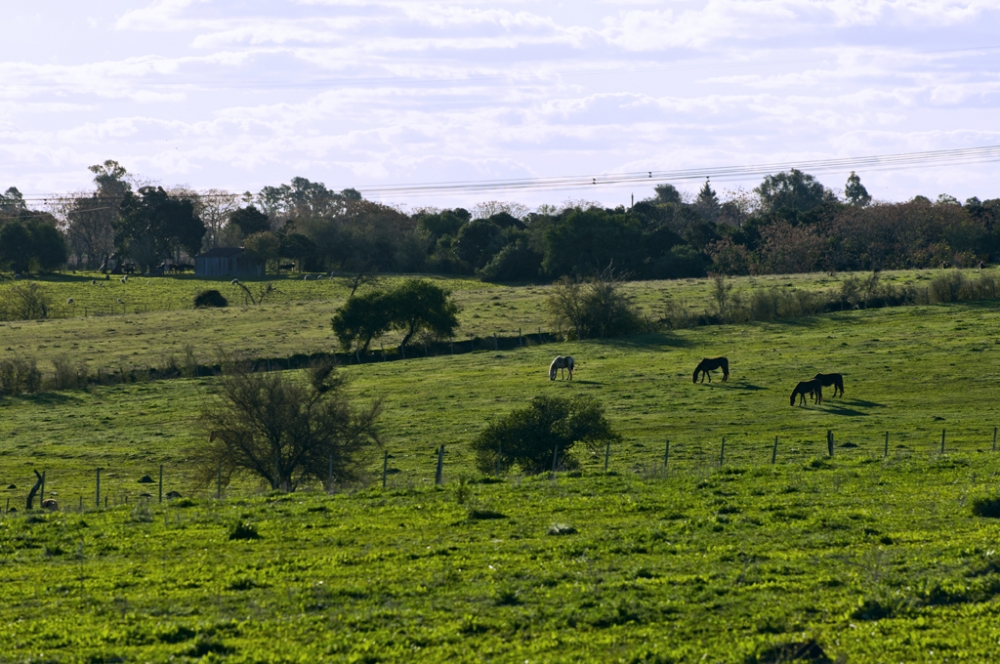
<point>862,556</point>
<point>157,322</point>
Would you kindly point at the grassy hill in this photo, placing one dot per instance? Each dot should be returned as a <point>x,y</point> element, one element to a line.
<point>862,556</point>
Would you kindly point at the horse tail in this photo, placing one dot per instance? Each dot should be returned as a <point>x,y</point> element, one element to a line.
<point>725,368</point>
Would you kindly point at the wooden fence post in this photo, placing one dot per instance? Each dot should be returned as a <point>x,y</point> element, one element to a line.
<point>994,439</point>
<point>886,444</point>
<point>98,498</point>
<point>439,476</point>
<point>774,451</point>
<point>722,452</point>
<point>942,441</point>
<point>666,456</point>
<point>829,442</point>
<point>607,454</point>
<point>161,482</point>
<point>42,498</point>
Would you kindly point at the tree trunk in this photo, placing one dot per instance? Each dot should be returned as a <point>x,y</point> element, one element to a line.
<point>34,489</point>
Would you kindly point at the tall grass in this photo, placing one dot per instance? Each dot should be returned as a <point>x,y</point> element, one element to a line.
<point>783,302</point>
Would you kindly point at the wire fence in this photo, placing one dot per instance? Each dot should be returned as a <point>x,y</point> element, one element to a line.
<point>79,489</point>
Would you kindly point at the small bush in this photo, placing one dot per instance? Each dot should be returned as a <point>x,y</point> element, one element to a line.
<point>210,298</point>
<point>528,437</point>
<point>988,506</point>
<point>244,530</point>
<point>68,375</point>
<point>484,515</point>
<point>25,302</point>
<point>19,376</point>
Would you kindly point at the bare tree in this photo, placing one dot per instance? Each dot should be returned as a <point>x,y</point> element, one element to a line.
<point>285,431</point>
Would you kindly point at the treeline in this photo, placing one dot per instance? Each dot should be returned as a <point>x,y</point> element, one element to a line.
<point>789,223</point>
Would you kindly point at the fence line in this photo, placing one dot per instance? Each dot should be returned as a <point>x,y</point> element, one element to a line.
<point>697,453</point>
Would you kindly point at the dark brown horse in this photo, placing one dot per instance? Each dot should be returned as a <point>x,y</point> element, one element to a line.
<point>813,387</point>
<point>710,364</point>
<point>831,379</point>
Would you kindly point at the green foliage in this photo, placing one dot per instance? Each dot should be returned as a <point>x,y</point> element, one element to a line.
<point>24,302</point>
<point>243,530</point>
<point>855,192</point>
<point>250,221</point>
<point>283,432</point>
<point>596,308</point>
<point>361,319</point>
<point>31,245</point>
<point>412,307</point>
<point>19,376</point>
<point>531,437</point>
<point>792,190</point>
<point>153,224</point>
<point>263,246</point>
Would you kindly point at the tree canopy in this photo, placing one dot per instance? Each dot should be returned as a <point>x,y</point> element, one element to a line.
<point>153,225</point>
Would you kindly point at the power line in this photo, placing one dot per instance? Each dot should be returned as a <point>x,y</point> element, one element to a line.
<point>887,162</point>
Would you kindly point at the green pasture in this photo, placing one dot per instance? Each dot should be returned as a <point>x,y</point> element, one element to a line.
<point>863,556</point>
<point>155,323</point>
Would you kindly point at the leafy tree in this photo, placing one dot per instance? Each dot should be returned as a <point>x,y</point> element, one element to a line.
<point>264,246</point>
<point>478,241</point>
<point>31,244</point>
<point>667,193</point>
<point>707,202</point>
<point>298,247</point>
<point>583,241</point>
<point>12,201</point>
<point>530,437</point>
<point>421,306</point>
<point>91,218</point>
<point>361,319</point>
<point>285,432</point>
<point>153,225</point>
<point>515,262</point>
<point>250,221</point>
<point>792,190</point>
<point>444,223</point>
<point>855,192</point>
<point>412,307</point>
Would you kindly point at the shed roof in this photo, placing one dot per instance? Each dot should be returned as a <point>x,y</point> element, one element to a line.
<point>222,252</point>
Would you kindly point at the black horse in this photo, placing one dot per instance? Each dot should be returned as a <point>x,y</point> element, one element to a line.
<point>831,379</point>
<point>711,364</point>
<point>813,387</point>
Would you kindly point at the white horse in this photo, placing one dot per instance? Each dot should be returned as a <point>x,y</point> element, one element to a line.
<point>561,363</point>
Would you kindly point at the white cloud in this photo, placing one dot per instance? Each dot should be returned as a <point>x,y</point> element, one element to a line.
<point>234,94</point>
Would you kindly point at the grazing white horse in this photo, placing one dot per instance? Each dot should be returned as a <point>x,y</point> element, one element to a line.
<point>561,363</point>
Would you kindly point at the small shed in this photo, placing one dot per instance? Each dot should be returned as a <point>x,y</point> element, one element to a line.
<point>226,262</point>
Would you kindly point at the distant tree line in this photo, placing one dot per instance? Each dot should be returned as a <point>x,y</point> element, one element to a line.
<point>789,223</point>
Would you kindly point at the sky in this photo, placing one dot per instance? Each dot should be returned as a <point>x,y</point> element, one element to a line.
<point>239,94</point>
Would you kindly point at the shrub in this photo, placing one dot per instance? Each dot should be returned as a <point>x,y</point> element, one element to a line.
<point>68,375</point>
<point>25,302</point>
<point>528,437</point>
<point>988,506</point>
<point>19,377</point>
<point>595,308</point>
<point>243,530</point>
<point>210,298</point>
